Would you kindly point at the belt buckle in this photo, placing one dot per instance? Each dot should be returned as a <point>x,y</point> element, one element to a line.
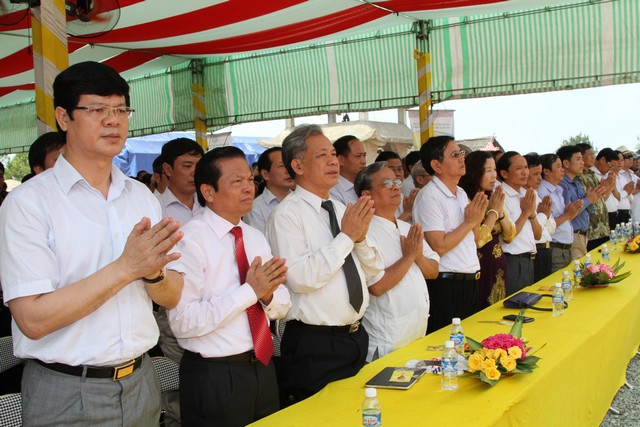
<point>354,328</point>
<point>533,256</point>
<point>123,371</point>
<point>477,277</point>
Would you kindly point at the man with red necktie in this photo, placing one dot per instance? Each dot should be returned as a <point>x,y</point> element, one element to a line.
<point>233,286</point>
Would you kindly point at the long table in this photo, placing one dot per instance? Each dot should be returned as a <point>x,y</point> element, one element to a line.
<point>582,367</point>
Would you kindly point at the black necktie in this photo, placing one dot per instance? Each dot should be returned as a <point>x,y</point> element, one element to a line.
<point>354,284</point>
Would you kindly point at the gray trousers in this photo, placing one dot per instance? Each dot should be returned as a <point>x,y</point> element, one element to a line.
<point>519,273</point>
<point>560,258</point>
<point>51,398</point>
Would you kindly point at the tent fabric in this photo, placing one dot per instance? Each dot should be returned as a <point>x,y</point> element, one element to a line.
<point>286,58</point>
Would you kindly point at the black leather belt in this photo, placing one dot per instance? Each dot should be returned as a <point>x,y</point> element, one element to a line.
<point>541,246</point>
<point>346,328</point>
<point>584,233</point>
<point>115,372</point>
<point>247,357</point>
<point>460,276</point>
<point>624,211</point>
<point>561,245</point>
<point>527,255</point>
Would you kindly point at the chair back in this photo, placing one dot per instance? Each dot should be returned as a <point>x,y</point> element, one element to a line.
<point>167,372</point>
<point>7,359</point>
<point>11,410</point>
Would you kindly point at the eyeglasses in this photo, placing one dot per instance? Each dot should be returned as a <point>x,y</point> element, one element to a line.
<point>389,183</point>
<point>101,112</point>
<point>456,155</point>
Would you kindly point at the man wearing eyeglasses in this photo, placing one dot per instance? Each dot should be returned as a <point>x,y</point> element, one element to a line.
<point>399,300</point>
<point>449,220</point>
<point>82,262</point>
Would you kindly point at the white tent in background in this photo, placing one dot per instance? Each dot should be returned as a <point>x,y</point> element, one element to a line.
<point>375,136</point>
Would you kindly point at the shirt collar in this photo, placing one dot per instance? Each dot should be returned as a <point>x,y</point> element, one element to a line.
<point>310,198</point>
<point>510,191</point>
<point>268,195</point>
<point>443,188</point>
<point>68,176</point>
<point>344,183</point>
<point>549,186</point>
<point>219,225</point>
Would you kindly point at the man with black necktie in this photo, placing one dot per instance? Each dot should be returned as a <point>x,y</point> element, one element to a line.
<point>232,286</point>
<point>329,262</point>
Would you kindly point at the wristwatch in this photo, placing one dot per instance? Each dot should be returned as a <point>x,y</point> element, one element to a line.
<point>158,278</point>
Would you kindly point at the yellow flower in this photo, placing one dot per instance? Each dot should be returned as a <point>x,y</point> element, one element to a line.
<point>475,361</point>
<point>499,353</point>
<point>488,364</point>
<point>492,374</point>
<point>633,246</point>
<point>490,353</point>
<point>515,352</point>
<point>508,362</point>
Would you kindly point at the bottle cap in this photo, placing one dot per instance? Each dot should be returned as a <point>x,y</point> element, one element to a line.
<point>605,246</point>
<point>455,320</point>
<point>558,285</point>
<point>370,392</point>
<point>449,344</point>
<point>565,273</point>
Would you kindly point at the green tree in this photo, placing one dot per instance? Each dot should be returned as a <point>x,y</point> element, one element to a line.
<point>16,167</point>
<point>577,139</point>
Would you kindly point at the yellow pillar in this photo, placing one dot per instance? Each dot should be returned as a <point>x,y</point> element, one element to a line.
<point>199,114</point>
<point>50,56</point>
<point>424,94</point>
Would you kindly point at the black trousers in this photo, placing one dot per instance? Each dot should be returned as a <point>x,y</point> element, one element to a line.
<point>542,264</point>
<point>451,298</point>
<point>520,272</point>
<point>624,216</point>
<point>225,393</point>
<point>592,244</point>
<point>613,220</point>
<point>311,358</point>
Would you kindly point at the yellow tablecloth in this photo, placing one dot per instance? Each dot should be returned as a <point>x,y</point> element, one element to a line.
<point>583,365</point>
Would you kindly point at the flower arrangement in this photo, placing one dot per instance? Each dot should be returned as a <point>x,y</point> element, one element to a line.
<point>601,275</point>
<point>633,245</point>
<point>500,355</point>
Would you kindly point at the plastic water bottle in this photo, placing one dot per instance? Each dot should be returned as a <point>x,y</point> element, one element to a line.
<point>613,240</point>
<point>606,256</point>
<point>371,409</point>
<point>577,273</point>
<point>567,286</point>
<point>449,368</point>
<point>558,300</point>
<point>456,334</point>
<point>587,260</point>
<point>619,234</point>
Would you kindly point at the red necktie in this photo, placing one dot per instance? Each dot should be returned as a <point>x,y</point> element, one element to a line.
<point>262,343</point>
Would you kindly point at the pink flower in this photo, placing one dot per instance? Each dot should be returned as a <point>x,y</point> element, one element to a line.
<point>608,270</point>
<point>593,268</point>
<point>504,341</point>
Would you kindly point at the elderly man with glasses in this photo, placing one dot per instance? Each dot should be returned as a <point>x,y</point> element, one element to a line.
<point>449,220</point>
<point>399,300</point>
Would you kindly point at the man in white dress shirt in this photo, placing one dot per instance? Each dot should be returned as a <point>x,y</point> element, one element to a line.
<point>399,301</point>
<point>449,220</point>
<point>226,378</point>
<point>352,159</point>
<point>278,184</point>
<point>625,185</point>
<point>159,178</point>
<point>520,205</point>
<point>329,261</point>
<point>179,158</point>
<point>81,264</point>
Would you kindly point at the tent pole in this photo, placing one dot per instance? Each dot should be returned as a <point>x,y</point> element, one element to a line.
<point>423,59</point>
<point>50,57</point>
<point>199,104</point>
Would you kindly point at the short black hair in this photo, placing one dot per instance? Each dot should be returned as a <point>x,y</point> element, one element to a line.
<point>157,164</point>
<point>411,159</point>
<point>179,147</point>
<point>608,153</point>
<point>505,162</point>
<point>532,159</point>
<point>207,170</point>
<point>45,144</point>
<point>264,161</point>
<point>387,155</point>
<point>342,145</point>
<point>583,146</point>
<point>87,78</point>
<point>566,152</point>
<point>433,149</point>
<point>547,161</point>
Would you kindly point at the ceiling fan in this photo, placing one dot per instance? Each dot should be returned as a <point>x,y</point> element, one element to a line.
<point>85,18</point>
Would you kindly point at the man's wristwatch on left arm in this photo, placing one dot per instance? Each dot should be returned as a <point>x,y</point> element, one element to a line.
<point>158,278</point>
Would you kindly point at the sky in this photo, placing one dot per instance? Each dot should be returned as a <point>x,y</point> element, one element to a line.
<point>609,116</point>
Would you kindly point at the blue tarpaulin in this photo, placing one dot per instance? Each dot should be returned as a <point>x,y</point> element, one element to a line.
<point>139,153</point>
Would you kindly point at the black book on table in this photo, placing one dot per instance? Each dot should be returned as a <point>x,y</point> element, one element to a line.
<point>400,378</point>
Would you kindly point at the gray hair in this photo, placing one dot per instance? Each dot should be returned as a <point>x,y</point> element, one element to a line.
<point>363,178</point>
<point>416,171</point>
<point>294,145</point>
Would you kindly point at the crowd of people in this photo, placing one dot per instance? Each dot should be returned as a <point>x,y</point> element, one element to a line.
<point>266,293</point>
